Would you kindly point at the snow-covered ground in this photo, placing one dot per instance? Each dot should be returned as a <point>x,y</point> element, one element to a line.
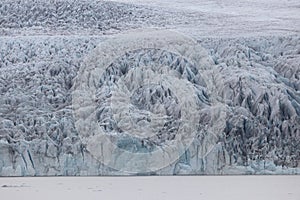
<point>161,188</point>
<point>228,18</point>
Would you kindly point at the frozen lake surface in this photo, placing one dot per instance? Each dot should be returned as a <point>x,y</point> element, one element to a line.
<point>171,188</point>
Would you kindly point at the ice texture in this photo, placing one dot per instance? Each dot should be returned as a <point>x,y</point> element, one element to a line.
<point>81,17</point>
<point>250,86</point>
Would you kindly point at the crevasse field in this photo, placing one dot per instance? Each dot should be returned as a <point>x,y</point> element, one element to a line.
<point>195,87</point>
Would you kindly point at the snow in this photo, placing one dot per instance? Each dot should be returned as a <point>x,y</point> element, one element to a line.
<point>230,18</point>
<point>173,188</point>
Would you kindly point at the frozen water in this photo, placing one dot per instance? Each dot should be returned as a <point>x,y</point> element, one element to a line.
<point>175,187</point>
<point>246,83</point>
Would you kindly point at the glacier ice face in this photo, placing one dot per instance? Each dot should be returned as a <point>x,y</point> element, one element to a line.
<point>36,115</point>
<point>264,119</point>
<point>138,106</point>
<point>247,110</point>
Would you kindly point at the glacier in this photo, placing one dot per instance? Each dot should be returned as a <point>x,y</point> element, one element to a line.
<point>109,88</point>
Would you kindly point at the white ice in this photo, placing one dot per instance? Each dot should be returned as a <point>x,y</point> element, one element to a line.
<point>229,18</point>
